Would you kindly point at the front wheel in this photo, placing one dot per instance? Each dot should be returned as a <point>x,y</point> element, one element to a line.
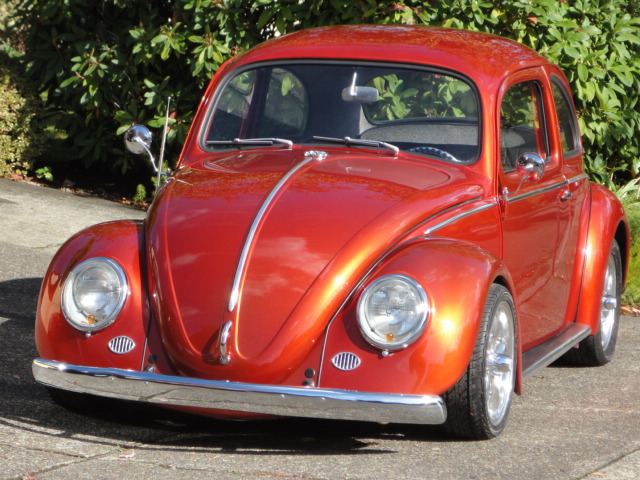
<point>597,349</point>
<point>478,405</point>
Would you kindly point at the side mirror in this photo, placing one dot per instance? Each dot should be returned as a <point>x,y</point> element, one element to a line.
<point>137,139</point>
<point>530,166</point>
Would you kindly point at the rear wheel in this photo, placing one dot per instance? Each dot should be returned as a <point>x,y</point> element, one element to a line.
<point>478,405</point>
<point>598,349</point>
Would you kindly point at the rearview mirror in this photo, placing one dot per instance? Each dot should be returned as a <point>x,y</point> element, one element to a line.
<point>359,94</point>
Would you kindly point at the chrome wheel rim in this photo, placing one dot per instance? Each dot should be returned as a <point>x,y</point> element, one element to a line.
<point>500,363</point>
<point>609,308</point>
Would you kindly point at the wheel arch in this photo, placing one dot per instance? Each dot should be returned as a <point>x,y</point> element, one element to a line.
<point>607,222</point>
<point>123,242</point>
<point>457,277</point>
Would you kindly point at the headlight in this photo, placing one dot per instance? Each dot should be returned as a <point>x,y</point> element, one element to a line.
<point>393,312</point>
<point>94,293</point>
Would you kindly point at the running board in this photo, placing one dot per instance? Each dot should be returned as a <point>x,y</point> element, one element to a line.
<point>551,350</point>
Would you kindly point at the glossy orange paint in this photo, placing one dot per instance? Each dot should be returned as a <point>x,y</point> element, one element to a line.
<point>607,222</point>
<point>122,241</point>
<point>338,224</point>
<point>455,276</point>
<point>321,235</point>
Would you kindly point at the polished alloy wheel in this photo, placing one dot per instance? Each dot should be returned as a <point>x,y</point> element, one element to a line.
<point>499,370</point>
<point>609,303</point>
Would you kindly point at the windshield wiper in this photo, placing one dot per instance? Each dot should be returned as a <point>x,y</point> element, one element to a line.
<point>244,142</point>
<point>364,143</point>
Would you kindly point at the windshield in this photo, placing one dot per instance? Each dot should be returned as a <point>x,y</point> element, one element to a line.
<point>426,112</point>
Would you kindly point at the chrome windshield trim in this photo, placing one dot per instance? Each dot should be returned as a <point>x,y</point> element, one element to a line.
<point>459,216</point>
<point>241,397</point>
<point>248,243</point>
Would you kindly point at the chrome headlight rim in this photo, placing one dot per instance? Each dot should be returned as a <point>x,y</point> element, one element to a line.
<point>74,314</point>
<point>422,311</point>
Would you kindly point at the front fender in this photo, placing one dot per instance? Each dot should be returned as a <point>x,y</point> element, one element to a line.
<point>457,277</point>
<point>607,222</point>
<point>56,339</point>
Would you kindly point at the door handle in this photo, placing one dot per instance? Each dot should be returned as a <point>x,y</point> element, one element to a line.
<point>565,195</point>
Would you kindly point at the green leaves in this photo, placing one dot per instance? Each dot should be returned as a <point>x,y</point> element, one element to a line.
<point>104,65</point>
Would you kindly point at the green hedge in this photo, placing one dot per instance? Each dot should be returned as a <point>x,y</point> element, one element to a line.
<point>103,65</point>
<point>20,138</point>
<point>632,293</point>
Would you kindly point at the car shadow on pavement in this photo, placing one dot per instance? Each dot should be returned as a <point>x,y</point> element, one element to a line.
<point>27,409</point>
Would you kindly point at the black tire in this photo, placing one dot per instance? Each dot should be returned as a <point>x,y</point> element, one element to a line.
<point>598,349</point>
<point>478,404</point>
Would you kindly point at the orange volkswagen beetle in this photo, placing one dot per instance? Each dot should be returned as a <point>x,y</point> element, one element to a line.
<point>379,223</point>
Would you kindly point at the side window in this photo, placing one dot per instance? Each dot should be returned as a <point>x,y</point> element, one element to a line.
<point>233,108</point>
<point>566,119</point>
<point>269,102</point>
<point>522,126</point>
<point>286,106</point>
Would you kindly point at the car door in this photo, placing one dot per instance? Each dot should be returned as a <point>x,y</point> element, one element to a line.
<point>532,225</point>
<point>566,143</point>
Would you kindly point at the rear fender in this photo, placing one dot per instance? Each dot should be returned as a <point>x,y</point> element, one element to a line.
<point>456,277</point>
<point>606,222</point>
<point>56,339</point>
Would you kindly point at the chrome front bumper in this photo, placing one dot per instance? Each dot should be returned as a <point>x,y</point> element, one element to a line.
<point>280,400</point>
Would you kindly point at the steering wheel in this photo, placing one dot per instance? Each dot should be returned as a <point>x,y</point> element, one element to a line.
<point>435,151</point>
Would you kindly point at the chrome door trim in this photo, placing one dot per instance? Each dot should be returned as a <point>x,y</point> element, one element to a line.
<point>548,188</point>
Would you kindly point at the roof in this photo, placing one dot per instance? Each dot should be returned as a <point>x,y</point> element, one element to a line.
<point>471,53</point>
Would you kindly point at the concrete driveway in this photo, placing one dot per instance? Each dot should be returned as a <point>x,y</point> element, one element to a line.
<point>569,424</point>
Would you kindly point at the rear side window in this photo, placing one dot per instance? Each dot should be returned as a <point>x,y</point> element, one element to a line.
<point>566,120</point>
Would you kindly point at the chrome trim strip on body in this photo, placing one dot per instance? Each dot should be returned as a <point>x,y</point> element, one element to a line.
<point>548,188</point>
<point>235,289</point>
<point>459,216</point>
<point>533,193</point>
<point>242,397</point>
<point>481,208</point>
<point>577,178</point>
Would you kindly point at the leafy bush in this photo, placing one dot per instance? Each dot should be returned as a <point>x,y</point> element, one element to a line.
<point>632,207</point>
<point>597,44</point>
<point>103,65</point>
<point>20,139</point>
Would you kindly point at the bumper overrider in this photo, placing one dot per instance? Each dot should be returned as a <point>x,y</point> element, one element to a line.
<point>279,400</point>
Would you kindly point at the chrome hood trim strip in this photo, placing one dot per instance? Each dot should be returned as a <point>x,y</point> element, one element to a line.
<point>241,397</point>
<point>311,157</point>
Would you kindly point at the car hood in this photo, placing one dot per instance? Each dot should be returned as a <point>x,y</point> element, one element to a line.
<point>320,233</point>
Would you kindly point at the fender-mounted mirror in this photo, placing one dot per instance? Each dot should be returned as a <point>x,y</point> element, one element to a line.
<point>138,139</point>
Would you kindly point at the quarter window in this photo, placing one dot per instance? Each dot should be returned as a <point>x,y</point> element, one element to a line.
<point>522,126</point>
<point>566,119</point>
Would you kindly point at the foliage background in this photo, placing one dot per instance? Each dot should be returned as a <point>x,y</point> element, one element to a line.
<point>104,64</point>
